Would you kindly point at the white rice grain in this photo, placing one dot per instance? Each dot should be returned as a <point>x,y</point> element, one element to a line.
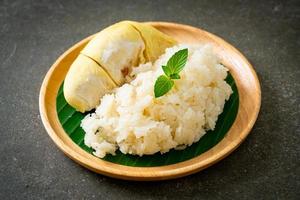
<point>132,120</point>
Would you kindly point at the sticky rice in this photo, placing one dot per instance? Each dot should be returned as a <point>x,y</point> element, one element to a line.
<point>132,120</point>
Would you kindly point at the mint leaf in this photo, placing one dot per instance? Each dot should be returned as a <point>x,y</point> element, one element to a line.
<point>174,76</point>
<point>167,70</point>
<point>175,64</point>
<point>162,85</point>
<point>177,61</point>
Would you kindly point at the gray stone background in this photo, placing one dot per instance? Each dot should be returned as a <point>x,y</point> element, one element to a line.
<point>34,33</point>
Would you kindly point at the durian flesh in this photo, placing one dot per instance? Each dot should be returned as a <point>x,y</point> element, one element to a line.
<point>86,83</point>
<point>116,48</point>
<point>155,41</point>
<point>105,61</point>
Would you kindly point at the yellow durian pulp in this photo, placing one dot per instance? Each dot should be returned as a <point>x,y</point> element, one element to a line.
<point>86,83</point>
<point>105,61</point>
<point>155,41</point>
<point>116,48</point>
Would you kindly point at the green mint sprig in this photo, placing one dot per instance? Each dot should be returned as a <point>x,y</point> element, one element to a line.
<point>175,64</point>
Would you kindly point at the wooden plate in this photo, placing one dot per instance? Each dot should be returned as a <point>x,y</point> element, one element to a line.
<point>249,105</point>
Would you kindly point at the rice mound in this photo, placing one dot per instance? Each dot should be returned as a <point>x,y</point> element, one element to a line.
<point>132,120</point>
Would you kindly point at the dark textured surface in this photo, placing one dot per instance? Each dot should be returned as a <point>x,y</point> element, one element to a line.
<point>34,34</point>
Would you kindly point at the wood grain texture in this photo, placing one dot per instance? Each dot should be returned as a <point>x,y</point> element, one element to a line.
<point>249,105</point>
